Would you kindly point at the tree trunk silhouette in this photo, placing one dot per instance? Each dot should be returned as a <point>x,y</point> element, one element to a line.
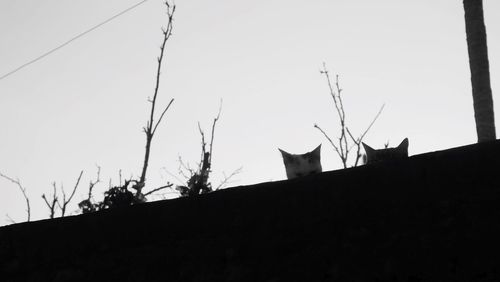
<point>480,70</point>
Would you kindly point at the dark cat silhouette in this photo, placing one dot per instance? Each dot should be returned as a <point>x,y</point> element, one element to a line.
<point>378,155</point>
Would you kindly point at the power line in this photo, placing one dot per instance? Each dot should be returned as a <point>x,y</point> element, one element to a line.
<point>71,40</point>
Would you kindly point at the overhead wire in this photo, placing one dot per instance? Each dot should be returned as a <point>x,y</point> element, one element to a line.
<point>71,40</point>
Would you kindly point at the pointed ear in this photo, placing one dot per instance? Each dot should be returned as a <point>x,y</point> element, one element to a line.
<point>287,157</point>
<point>283,153</point>
<point>368,150</point>
<point>316,153</point>
<point>404,144</point>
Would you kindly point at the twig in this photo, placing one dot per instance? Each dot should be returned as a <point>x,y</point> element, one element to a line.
<point>357,142</point>
<point>343,148</point>
<point>162,114</point>
<point>120,177</point>
<point>186,167</point>
<point>175,176</point>
<point>368,128</point>
<point>93,183</point>
<point>23,190</point>
<point>328,138</point>
<point>66,201</point>
<point>9,219</point>
<point>332,92</point>
<point>203,143</point>
<point>158,189</point>
<point>150,130</point>
<point>52,205</point>
<point>213,130</point>
<point>226,178</point>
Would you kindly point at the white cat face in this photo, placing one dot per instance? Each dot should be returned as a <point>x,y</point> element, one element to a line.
<point>302,164</point>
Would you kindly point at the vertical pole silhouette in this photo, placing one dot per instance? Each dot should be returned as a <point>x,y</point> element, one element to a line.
<point>480,70</point>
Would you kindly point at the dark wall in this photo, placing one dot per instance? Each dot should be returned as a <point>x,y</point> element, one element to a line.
<point>433,217</point>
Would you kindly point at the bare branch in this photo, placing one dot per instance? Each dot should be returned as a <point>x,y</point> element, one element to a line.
<point>162,114</point>
<point>328,138</point>
<point>186,167</point>
<point>93,183</point>
<point>66,201</point>
<point>23,190</point>
<point>213,130</point>
<point>52,205</point>
<point>357,144</point>
<point>341,103</point>
<point>149,130</point>
<point>373,121</point>
<point>332,92</point>
<point>158,189</point>
<point>226,179</point>
<point>203,145</point>
<point>344,148</point>
<point>9,219</point>
<point>174,176</point>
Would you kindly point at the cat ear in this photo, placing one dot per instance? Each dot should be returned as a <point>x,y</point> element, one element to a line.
<point>317,151</point>
<point>284,154</point>
<point>287,157</point>
<point>404,145</point>
<point>368,150</point>
<point>314,154</point>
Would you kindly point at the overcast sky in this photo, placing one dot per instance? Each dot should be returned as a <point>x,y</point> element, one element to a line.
<point>85,104</point>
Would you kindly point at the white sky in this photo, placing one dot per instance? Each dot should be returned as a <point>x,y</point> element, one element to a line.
<point>86,104</point>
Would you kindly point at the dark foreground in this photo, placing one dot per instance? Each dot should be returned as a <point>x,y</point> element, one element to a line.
<point>433,217</point>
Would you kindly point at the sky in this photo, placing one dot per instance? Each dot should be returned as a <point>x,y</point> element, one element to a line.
<point>85,105</point>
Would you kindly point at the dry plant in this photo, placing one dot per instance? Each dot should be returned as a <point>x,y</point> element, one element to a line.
<point>25,195</point>
<point>53,202</point>
<point>89,205</point>
<point>226,180</point>
<point>346,142</point>
<point>120,195</point>
<point>62,205</point>
<point>152,125</point>
<point>197,180</point>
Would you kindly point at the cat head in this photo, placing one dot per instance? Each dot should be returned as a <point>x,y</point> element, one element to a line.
<point>302,164</point>
<point>373,155</point>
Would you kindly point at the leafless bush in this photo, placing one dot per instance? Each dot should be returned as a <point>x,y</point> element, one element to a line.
<point>121,195</point>
<point>89,205</point>
<point>197,180</point>
<point>346,142</point>
<point>55,202</point>
<point>115,195</point>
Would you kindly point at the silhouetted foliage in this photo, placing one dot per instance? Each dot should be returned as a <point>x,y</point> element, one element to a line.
<point>131,192</point>
<point>120,196</point>
<point>198,180</point>
<point>117,196</point>
<point>87,206</point>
